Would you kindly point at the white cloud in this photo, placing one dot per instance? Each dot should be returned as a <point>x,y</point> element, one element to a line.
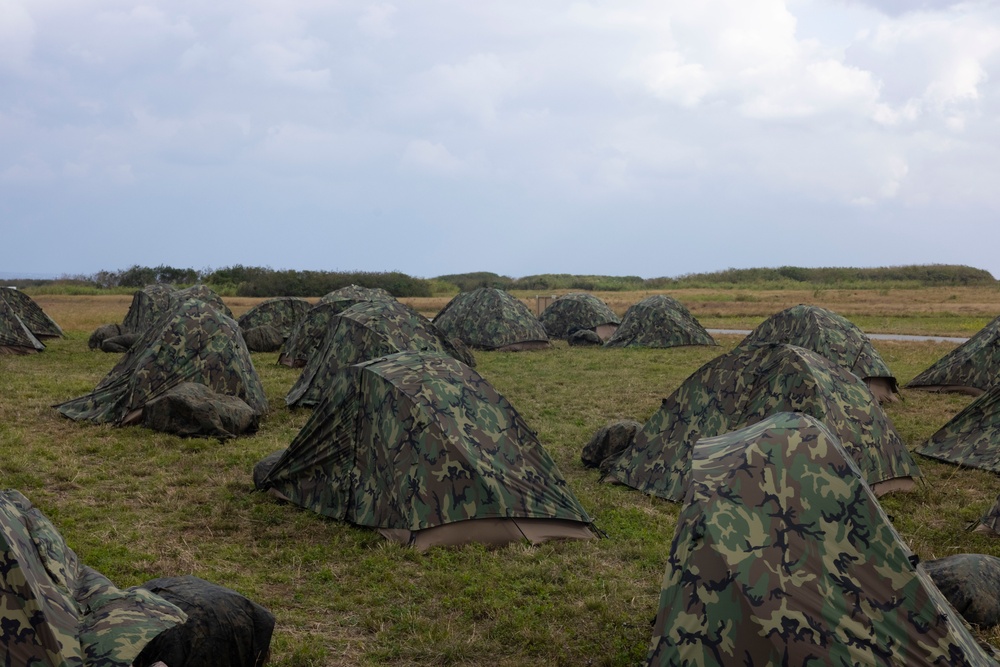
<point>475,86</point>
<point>430,156</point>
<point>289,63</point>
<point>937,63</point>
<point>17,34</point>
<point>31,171</point>
<point>584,110</point>
<point>376,20</point>
<point>669,77</point>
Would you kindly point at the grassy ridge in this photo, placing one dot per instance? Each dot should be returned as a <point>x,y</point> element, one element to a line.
<point>137,504</point>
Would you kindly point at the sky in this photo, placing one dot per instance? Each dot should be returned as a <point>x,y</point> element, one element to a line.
<point>631,137</point>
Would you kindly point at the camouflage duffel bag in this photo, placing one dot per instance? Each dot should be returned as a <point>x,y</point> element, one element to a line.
<point>971,583</point>
<point>192,409</point>
<point>223,629</point>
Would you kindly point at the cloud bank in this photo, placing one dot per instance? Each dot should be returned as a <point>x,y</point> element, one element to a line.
<point>440,137</point>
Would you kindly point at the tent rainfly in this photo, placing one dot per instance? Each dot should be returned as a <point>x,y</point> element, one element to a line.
<point>745,386</point>
<point>783,556</point>
<point>420,447</point>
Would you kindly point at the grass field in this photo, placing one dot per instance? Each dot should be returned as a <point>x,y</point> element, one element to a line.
<point>136,504</point>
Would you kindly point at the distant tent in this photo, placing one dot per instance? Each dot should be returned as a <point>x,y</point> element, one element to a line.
<point>38,323</point>
<point>972,437</point>
<point>420,447</point>
<point>352,294</point>
<point>15,338</point>
<point>365,331</point>
<point>746,386</point>
<point>659,321</point>
<point>579,310</point>
<point>831,335</point>
<point>203,293</point>
<point>971,368</point>
<point>307,334</point>
<point>782,556</point>
<point>491,319</point>
<point>280,314</point>
<point>193,343</point>
<point>148,305</point>
<point>57,611</point>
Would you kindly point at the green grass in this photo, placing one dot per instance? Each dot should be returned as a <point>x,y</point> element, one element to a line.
<point>136,504</point>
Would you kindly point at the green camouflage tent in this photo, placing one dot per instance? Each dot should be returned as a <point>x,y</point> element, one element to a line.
<point>38,323</point>
<point>487,318</point>
<point>192,343</point>
<point>783,556</point>
<point>268,325</point>
<point>148,304</point>
<point>364,331</point>
<point>281,312</point>
<point>746,386</point>
<point>420,447</point>
<point>352,294</point>
<point>204,293</point>
<point>832,336</point>
<point>307,334</point>
<point>15,338</point>
<point>970,368</point>
<point>972,437</point>
<point>659,321</point>
<point>576,311</point>
<point>57,611</point>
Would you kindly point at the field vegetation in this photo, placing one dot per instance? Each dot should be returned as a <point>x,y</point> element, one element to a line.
<point>136,504</point>
<point>261,281</point>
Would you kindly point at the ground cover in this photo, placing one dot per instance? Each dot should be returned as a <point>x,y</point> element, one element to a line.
<point>136,504</point>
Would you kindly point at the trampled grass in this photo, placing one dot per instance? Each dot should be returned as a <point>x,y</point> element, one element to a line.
<point>136,504</point>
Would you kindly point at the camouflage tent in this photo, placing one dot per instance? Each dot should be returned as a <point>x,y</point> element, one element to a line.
<point>38,323</point>
<point>15,338</point>
<point>972,437</point>
<point>307,334</point>
<point>268,325</point>
<point>281,312</point>
<point>782,556</point>
<point>491,319</point>
<point>576,311</point>
<point>149,304</point>
<point>746,386</point>
<point>832,336</point>
<point>420,447</point>
<point>970,368</point>
<point>194,342</point>
<point>659,321</point>
<point>352,294</point>
<point>57,611</point>
<point>364,331</point>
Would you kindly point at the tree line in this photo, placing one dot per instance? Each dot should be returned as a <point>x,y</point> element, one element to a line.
<point>786,276</point>
<point>257,281</point>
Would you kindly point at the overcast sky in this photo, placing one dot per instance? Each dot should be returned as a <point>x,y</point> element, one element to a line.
<point>442,136</point>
